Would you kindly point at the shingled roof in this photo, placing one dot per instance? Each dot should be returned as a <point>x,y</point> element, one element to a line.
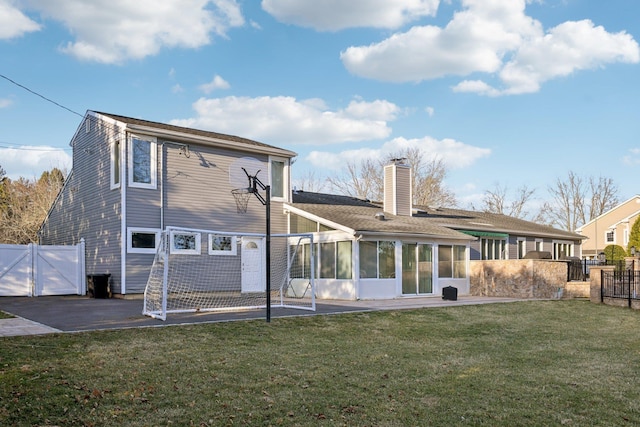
<point>237,140</point>
<point>360,216</point>
<point>363,216</point>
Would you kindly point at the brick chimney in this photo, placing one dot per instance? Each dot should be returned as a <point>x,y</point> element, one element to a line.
<point>398,198</point>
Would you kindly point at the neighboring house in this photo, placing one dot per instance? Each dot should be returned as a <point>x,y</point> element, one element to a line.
<point>132,178</point>
<point>368,250</point>
<point>610,228</point>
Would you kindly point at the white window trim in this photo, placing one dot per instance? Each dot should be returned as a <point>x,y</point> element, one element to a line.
<point>539,245</point>
<point>570,247</point>
<point>174,250</point>
<point>285,178</point>
<point>153,152</point>
<point>232,252</point>
<point>113,145</point>
<point>132,250</point>
<point>521,241</point>
<point>606,236</point>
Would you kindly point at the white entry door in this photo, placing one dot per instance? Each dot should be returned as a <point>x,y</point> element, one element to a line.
<point>253,259</point>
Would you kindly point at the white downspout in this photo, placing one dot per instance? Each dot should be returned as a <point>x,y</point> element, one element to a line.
<point>123,212</point>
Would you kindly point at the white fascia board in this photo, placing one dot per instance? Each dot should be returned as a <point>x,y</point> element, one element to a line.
<point>404,236</point>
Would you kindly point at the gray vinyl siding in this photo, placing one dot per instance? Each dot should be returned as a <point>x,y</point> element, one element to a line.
<point>193,192</point>
<point>198,193</point>
<point>87,208</point>
<point>474,250</point>
<point>143,210</point>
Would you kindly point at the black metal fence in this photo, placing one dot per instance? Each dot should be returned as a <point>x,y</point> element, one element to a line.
<point>620,284</point>
<point>580,269</point>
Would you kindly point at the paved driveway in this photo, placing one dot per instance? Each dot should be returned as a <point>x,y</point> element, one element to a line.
<point>41,315</point>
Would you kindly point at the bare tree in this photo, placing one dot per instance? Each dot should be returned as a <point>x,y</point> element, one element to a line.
<point>495,201</point>
<point>363,180</point>
<point>309,182</point>
<point>366,179</point>
<point>574,203</point>
<point>604,196</point>
<point>25,204</point>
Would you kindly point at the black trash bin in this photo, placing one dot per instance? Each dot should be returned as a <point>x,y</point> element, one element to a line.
<point>98,285</point>
<point>450,293</point>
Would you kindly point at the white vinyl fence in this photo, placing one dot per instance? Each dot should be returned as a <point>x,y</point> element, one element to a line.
<point>35,270</point>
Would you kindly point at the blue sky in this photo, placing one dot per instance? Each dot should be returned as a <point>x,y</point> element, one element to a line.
<point>505,92</point>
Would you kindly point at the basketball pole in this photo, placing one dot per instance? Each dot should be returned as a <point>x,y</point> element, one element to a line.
<point>254,183</point>
<point>268,249</point>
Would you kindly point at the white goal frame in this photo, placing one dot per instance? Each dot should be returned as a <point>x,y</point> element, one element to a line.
<point>196,270</point>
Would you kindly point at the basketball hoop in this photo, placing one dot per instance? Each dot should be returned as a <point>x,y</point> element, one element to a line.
<point>242,196</point>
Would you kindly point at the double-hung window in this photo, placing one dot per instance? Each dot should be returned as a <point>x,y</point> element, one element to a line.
<point>142,161</point>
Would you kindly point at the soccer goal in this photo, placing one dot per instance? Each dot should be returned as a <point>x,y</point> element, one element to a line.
<point>204,270</point>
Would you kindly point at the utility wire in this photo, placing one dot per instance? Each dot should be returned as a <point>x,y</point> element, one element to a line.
<point>32,148</point>
<point>41,96</point>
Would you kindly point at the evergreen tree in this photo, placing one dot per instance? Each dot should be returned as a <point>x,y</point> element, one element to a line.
<point>634,236</point>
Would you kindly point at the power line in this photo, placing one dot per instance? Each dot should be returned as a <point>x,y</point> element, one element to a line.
<point>41,96</point>
<point>31,148</point>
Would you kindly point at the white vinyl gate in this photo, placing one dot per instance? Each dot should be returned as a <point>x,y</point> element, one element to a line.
<point>35,270</point>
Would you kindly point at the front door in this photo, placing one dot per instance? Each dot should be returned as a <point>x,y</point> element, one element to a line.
<point>417,269</point>
<point>253,277</point>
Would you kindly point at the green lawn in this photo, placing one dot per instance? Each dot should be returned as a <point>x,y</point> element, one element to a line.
<point>515,364</point>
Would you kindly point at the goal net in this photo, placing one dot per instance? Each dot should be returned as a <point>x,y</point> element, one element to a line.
<point>205,270</point>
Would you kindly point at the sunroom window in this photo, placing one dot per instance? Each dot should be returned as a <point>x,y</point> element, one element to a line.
<point>377,260</point>
<point>335,260</point>
<point>452,261</point>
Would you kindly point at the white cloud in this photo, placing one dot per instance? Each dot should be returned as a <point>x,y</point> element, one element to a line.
<point>633,158</point>
<point>215,84</point>
<point>496,38</point>
<point>285,120</point>
<point>177,88</point>
<point>5,102</point>
<point>430,111</point>
<point>569,47</point>
<point>334,15</point>
<point>454,154</point>
<point>30,161</point>
<point>376,110</point>
<point>476,86</point>
<point>113,31</point>
<point>14,23</point>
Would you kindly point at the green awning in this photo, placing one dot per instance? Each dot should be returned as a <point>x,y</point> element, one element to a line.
<point>484,234</point>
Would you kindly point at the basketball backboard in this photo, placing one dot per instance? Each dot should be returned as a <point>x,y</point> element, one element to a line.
<point>241,169</point>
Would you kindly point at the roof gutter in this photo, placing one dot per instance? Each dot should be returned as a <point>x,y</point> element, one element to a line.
<point>462,237</point>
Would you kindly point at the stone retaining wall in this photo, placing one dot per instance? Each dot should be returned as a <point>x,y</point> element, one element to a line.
<point>522,278</point>
<point>576,290</point>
